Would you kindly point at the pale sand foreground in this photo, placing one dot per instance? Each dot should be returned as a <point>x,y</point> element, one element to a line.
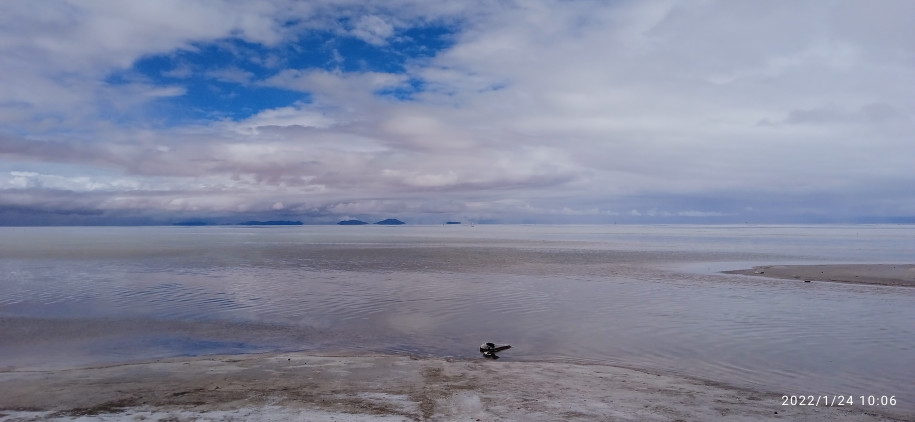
<point>297,386</point>
<point>880,274</point>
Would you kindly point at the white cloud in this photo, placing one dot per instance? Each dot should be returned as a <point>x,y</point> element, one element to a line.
<point>293,116</point>
<point>372,29</point>
<point>333,87</point>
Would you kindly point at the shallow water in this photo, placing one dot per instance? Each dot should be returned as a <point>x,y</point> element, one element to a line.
<point>640,296</point>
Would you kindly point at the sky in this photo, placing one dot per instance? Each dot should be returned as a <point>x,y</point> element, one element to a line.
<point>567,111</point>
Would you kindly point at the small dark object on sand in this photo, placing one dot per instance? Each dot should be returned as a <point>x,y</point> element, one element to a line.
<point>489,350</point>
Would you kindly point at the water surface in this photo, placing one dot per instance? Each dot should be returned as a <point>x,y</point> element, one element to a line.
<point>640,296</point>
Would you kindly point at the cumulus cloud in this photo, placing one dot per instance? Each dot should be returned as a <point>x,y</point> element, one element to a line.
<point>563,110</point>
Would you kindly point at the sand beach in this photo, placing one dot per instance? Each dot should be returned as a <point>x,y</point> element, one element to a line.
<point>298,386</point>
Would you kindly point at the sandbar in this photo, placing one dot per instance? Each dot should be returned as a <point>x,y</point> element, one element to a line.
<point>302,386</point>
<point>877,274</point>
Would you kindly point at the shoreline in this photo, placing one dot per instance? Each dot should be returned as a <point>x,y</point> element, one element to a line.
<point>300,385</point>
<point>899,275</point>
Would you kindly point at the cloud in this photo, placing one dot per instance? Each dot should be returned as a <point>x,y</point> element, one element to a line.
<point>229,74</point>
<point>179,72</point>
<point>294,117</point>
<point>868,113</point>
<point>333,86</point>
<point>553,110</point>
<point>372,29</point>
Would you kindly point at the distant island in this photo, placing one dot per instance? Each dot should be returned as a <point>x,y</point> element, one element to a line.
<point>453,222</point>
<point>271,223</point>
<point>352,223</point>
<point>390,222</point>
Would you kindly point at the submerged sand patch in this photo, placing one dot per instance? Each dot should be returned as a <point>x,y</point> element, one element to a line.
<point>299,386</point>
<point>877,274</point>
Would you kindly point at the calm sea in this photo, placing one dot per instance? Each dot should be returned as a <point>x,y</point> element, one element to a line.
<point>640,296</point>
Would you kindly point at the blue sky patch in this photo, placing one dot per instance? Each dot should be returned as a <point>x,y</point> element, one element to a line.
<point>223,79</point>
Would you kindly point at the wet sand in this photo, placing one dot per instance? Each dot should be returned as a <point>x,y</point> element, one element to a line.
<point>298,386</point>
<point>878,274</point>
